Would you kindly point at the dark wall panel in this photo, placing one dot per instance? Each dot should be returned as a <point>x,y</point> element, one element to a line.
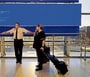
<point>39,0</point>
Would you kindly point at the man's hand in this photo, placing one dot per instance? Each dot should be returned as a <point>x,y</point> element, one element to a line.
<point>3,33</point>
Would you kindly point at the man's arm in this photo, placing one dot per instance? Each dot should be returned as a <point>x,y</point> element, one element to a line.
<point>27,31</point>
<point>8,32</point>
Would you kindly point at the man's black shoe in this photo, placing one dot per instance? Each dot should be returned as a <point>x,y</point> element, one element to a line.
<point>38,69</point>
<point>20,62</point>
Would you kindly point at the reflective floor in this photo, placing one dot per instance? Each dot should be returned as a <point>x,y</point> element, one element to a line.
<point>77,68</point>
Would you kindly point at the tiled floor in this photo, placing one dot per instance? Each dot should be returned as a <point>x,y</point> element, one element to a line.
<point>77,68</point>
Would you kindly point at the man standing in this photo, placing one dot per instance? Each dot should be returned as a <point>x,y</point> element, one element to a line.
<point>18,32</point>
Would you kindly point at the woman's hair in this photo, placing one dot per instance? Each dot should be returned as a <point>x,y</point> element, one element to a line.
<point>39,25</point>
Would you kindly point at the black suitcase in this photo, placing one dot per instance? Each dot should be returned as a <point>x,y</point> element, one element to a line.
<point>47,51</point>
<point>61,66</point>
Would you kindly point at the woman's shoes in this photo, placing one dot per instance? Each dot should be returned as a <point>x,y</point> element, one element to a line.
<point>39,67</point>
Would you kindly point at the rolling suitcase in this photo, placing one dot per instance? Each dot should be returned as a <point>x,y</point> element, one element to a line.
<point>61,66</point>
<point>47,51</point>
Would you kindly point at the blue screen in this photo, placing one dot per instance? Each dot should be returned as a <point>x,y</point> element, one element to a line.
<point>56,18</point>
<point>46,14</point>
<point>39,0</point>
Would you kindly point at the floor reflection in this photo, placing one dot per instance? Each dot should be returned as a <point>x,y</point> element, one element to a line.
<point>19,71</point>
<point>77,68</point>
<point>3,68</point>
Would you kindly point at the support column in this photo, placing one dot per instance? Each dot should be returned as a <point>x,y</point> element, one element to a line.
<point>67,46</point>
<point>2,47</point>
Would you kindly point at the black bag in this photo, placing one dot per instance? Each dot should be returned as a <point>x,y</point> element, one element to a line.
<point>61,66</point>
<point>47,50</point>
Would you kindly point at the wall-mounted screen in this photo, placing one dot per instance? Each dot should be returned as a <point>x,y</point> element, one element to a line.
<point>56,18</point>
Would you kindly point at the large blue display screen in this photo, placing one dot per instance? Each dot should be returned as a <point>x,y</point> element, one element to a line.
<point>56,18</point>
<point>39,0</point>
<point>46,14</point>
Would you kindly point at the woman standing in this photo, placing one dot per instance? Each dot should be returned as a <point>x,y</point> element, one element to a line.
<point>39,43</point>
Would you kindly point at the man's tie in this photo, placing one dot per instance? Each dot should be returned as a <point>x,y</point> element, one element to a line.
<point>16,33</point>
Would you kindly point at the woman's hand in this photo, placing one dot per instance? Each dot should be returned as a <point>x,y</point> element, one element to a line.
<point>42,48</point>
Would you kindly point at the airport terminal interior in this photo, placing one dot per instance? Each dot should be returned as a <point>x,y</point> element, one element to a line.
<point>73,50</point>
